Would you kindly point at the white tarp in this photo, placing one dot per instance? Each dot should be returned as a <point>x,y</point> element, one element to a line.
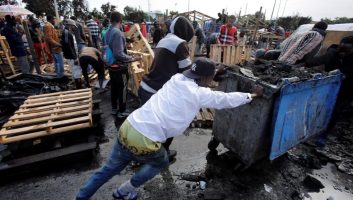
<point>13,10</point>
<point>331,27</point>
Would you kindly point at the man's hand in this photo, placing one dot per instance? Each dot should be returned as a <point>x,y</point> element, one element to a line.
<point>136,57</point>
<point>257,91</point>
<point>220,69</point>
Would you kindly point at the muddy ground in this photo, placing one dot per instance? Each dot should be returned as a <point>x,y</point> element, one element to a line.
<point>284,178</point>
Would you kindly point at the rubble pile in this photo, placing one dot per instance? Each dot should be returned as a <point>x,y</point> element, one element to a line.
<point>272,72</point>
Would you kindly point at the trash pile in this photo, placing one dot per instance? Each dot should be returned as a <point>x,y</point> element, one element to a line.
<point>272,72</point>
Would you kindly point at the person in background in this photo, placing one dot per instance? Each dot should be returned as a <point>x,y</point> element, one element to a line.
<point>301,47</point>
<point>94,29</point>
<point>53,43</point>
<point>14,38</point>
<point>219,22</point>
<point>157,33</point>
<point>141,134</point>
<point>200,37</point>
<point>228,32</point>
<point>171,57</point>
<point>79,34</point>
<point>143,28</point>
<point>38,44</point>
<point>267,54</point>
<point>91,56</point>
<point>337,57</point>
<point>105,28</point>
<point>118,71</point>
<point>70,51</point>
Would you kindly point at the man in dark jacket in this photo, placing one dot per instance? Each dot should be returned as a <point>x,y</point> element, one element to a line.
<point>79,34</point>
<point>200,37</point>
<point>157,33</point>
<point>338,57</point>
<point>171,57</point>
<point>16,44</point>
<point>118,71</point>
<point>70,51</point>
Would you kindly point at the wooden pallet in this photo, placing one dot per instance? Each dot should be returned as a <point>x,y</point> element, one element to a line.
<point>203,119</point>
<point>6,55</point>
<point>232,54</point>
<point>47,114</point>
<point>140,43</point>
<point>136,72</point>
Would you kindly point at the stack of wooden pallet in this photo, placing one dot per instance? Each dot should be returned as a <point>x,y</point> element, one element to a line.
<point>230,54</point>
<point>141,47</point>
<point>203,119</point>
<point>140,43</point>
<point>47,114</point>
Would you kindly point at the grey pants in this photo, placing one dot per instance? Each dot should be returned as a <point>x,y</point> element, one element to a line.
<point>23,62</point>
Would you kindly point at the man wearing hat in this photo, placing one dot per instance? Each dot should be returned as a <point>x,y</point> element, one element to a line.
<point>141,136</point>
<point>69,48</point>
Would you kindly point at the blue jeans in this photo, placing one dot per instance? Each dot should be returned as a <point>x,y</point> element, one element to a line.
<point>80,47</point>
<point>119,159</point>
<point>59,64</point>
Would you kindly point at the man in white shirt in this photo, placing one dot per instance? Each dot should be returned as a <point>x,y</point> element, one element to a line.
<point>166,114</point>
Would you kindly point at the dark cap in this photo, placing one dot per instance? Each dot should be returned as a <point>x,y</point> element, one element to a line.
<point>202,67</point>
<point>321,25</point>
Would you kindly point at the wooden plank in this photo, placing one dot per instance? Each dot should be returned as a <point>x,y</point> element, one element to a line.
<point>54,102</point>
<point>6,50</point>
<point>57,116</point>
<point>44,126</point>
<point>238,56</point>
<point>207,114</point>
<point>192,48</point>
<point>45,108</point>
<point>229,55</point>
<point>48,155</point>
<point>48,99</point>
<point>59,93</point>
<point>46,113</point>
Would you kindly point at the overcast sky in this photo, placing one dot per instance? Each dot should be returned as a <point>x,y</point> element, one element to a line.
<point>315,8</point>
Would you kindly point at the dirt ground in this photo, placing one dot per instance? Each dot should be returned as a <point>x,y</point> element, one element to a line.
<point>284,178</point>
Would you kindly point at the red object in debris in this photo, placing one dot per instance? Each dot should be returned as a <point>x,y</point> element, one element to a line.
<point>127,27</point>
<point>287,34</point>
<point>143,27</point>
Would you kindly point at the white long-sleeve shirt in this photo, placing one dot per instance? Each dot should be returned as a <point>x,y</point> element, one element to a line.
<point>170,111</point>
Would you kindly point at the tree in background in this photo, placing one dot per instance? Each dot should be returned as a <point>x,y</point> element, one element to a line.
<point>293,22</point>
<point>133,14</point>
<point>40,6</point>
<point>65,7</point>
<point>97,14</point>
<point>338,20</point>
<point>107,8</point>
<point>80,8</point>
<point>173,13</point>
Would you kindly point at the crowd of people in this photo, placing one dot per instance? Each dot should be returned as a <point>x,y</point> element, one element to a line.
<point>172,92</point>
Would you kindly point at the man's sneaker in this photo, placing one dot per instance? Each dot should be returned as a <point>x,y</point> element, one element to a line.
<point>118,195</point>
<point>114,111</point>
<point>122,114</point>
<point>171,154</point>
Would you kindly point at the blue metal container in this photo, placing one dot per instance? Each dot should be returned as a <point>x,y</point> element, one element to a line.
<point>288,114</point>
